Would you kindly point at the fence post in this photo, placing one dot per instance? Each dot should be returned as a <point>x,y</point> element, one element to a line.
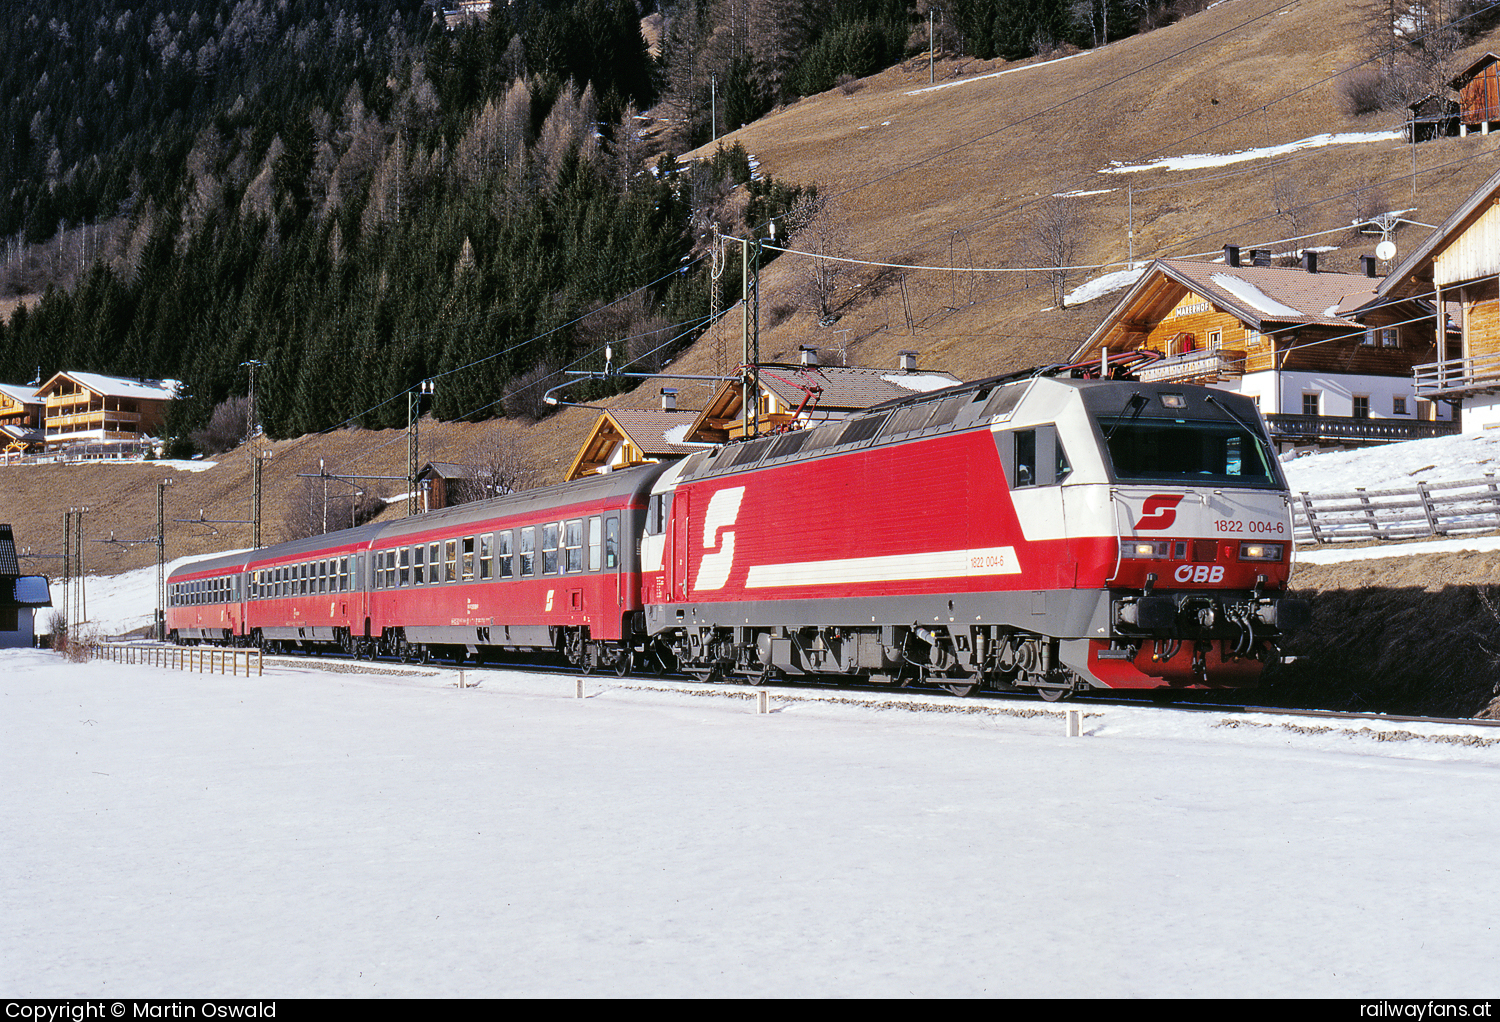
<point>1432,525</point>
<point>1312,519</point>
<point>1370,514</point>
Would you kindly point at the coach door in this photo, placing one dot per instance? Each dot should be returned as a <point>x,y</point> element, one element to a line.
<point>681,516</point>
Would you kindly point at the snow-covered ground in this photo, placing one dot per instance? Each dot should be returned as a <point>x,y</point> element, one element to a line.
<point>1194,161</point>
<point>321,834</point>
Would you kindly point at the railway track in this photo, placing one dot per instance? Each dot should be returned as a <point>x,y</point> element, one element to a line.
<point>920,698</point>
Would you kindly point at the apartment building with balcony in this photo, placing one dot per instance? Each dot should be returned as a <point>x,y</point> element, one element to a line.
<point>1323,369</point>
<point>94,407</point>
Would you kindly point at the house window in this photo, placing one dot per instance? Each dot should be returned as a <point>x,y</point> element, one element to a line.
<point>1371,339</point>
<point>1389,338</point>
<point>1215,340</point>
<point>1310,404</point>
<point>1398,406</point>
<point>1361,406</point>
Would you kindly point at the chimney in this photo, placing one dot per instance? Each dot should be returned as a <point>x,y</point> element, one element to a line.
<point>1260,257</point>
<point>906,361</point>
<point>1310,261</point>
<point>809,354</point>
<point>1368,263</point>
<point>669,399</point>
<point>1232,255</point>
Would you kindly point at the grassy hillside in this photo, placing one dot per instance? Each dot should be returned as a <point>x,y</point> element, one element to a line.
<point>942,177</point>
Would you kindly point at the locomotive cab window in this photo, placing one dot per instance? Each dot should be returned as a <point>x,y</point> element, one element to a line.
<point>1187,451</point>
<point>1033,457</point>
<point>656,513</point>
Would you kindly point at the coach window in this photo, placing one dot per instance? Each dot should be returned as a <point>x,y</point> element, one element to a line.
<point>486,555</point>
<point>405,566</point>
<point>611,542</point>
<point>528,551</point>
<point>343,574</point>
<point>450,560</point>
<point>573,545</point>
<point>432,562</point>
<point>418,564</point>
<point>596,538</point>
<point>551,535</point>
<point>322,576</point>
<point>390,569</point>
<point>468,558</point>
<point>505,553</point>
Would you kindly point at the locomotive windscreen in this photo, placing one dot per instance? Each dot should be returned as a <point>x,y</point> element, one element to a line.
<point>1187,451</point>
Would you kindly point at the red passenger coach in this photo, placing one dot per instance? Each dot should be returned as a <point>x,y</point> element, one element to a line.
<point>552,569</point>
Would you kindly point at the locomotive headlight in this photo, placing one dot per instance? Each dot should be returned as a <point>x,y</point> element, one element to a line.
<point>1261,551</point>
<point>1143,549</point>
<point>1173,401</point>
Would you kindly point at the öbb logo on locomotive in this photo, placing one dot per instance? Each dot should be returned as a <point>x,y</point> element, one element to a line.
<point>1044,530</point>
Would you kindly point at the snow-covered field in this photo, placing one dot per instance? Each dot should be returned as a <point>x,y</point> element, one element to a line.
<point>322,834</point>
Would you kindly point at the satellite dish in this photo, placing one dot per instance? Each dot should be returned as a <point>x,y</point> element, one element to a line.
<point>1386,250</point>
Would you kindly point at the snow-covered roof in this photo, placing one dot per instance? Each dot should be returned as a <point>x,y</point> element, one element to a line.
<point>121,386</point>
<point>20,394</point>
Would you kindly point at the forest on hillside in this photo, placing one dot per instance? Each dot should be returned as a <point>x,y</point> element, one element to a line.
<point>358,198</point>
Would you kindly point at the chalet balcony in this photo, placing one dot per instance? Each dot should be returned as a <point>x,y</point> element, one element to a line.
<point>1455,377</point>
<point>1196,367</point>
<point>1344,429</point>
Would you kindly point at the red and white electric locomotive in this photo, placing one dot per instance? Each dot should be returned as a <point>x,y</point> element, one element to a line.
<point>1045,533</point>
<point>1032,532</point>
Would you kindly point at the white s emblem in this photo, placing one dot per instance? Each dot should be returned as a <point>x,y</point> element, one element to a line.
<point>723,509</point>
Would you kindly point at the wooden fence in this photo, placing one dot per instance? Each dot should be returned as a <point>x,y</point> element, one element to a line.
<point>1426,509</point>
<point>202,659</point>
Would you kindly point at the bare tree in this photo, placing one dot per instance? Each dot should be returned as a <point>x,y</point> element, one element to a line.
<point>821,232</point>
<point>1056,227</point>
<point>227,427</point>
<point>497,466</point>
<point>523,395</point>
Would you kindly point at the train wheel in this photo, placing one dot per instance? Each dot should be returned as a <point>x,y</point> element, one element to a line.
<point>961,690</point>
<point>588,658</point>
<point>622,663</point>
<point>1054,694</point>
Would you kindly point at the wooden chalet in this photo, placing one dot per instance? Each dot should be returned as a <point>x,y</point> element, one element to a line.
<point>626,437</point>
<point>94,407</point>
<point>1478,88</point>
<point>21,413</point>
<point>809,393</point>
<point>20,596</point>
<point>1322,370</point>
<point>1458,265</point>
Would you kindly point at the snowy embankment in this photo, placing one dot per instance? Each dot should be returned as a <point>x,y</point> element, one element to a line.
<point>1392,466</point>
<point>319,834</point>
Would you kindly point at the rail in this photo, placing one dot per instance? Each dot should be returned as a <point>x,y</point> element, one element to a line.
<point>1426,509</point>
<point>1343,427</point>
<point>199,659</point>
<point>1456,375</point>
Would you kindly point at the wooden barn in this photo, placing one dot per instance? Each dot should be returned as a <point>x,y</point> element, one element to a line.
<point>1478,90</point>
